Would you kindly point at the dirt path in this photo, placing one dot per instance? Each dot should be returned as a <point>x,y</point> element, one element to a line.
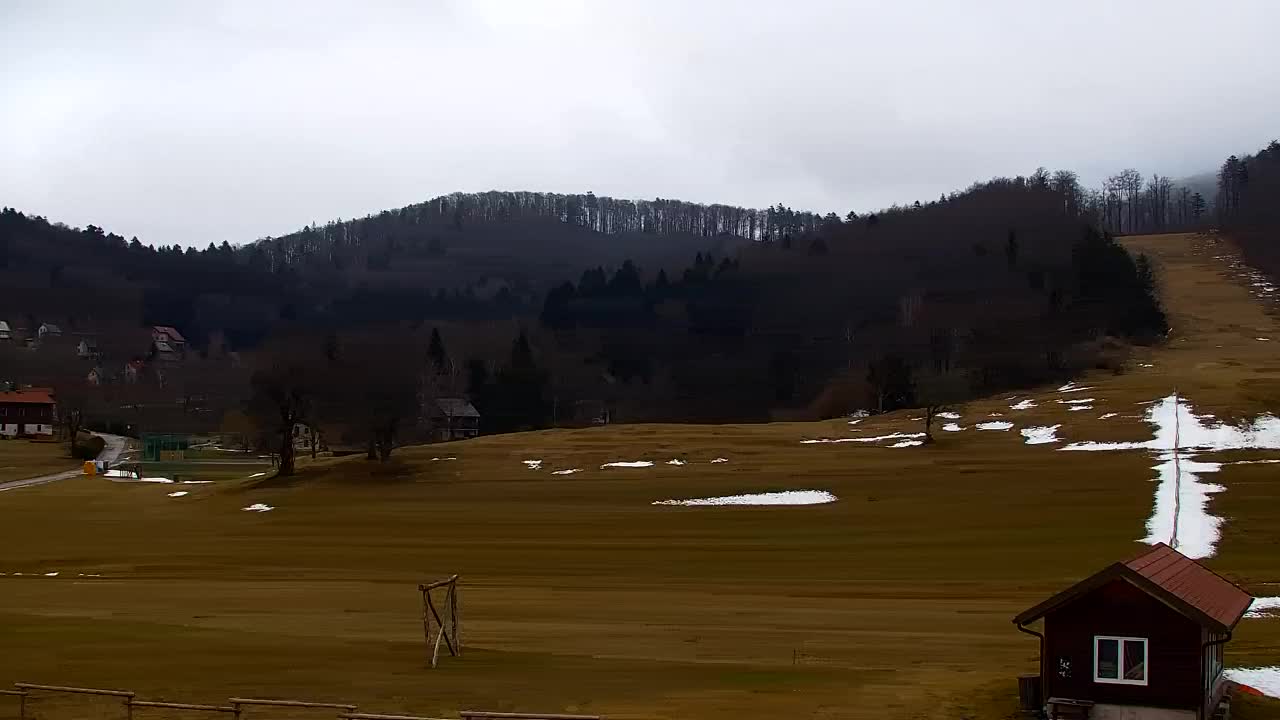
<point>115,447</point>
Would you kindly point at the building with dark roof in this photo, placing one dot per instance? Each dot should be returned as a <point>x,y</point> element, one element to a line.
<point>454,418</point>
<point>1139,640</point>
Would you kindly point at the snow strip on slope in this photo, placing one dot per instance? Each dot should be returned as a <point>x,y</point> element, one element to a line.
<point>788,497</point>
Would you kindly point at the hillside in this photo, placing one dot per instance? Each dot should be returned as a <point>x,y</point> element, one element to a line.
<point>642,311</point>
<point>580,595</point>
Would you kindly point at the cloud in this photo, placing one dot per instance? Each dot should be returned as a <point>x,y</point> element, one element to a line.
<point>193,123</point>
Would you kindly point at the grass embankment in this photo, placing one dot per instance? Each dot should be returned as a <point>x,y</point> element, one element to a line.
<point>21,459</point>
<point>580,595</point>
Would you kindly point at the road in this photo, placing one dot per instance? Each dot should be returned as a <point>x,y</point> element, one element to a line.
<point>115,448</point>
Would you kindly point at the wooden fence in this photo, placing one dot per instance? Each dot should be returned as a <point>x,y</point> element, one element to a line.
<point>237,706</point>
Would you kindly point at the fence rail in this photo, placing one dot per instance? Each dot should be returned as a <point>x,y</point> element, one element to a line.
<point>378,716</point>
<point>237,705</point>
<point>78,690</point>
<point>293,703</point>
<point>183,706</point>
<point>481,715</point>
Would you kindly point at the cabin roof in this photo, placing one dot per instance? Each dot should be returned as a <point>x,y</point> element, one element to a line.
<point>1180,582</point>
<point>33,396</point>
<point>172,332</point>
<point>456,407</point>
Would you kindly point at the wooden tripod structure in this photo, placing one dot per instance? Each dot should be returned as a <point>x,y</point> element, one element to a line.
<point>448,634</point>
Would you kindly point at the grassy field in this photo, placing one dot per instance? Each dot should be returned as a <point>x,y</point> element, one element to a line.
<point>21,459</point>
<point>580,595</point>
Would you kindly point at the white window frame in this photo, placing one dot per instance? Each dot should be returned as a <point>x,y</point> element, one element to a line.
<point>1120,641</point>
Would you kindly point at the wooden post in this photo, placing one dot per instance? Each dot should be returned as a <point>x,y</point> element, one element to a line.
<point>448,633</point>
<point>453,616</point>
<point>426,619</point>
<point>22,701</point>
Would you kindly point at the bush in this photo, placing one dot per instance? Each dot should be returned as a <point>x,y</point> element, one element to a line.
<point>88,449</point>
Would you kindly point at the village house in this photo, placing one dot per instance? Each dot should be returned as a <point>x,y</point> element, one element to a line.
<point>48,330</point>
<point>454,419</point>
<point>6,333</point>
<point>27,412</point>
<point>163,334</point>
<point>1140,640</point>
<point>96,376</point>
<point>88,349</point>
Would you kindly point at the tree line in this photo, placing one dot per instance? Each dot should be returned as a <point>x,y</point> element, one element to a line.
<point>1248,205</point>
<point>1008,283</point>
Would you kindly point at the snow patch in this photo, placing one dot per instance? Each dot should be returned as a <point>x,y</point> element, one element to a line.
<point>258,507</point>
<point>787,497</point>
<point>1107,416</point>
<point>532,464</point>
<point>675,461</point>
<point>952,427</point>
<point>1075,408</point>
<point>628,464</point>
<point>180,493</point>
<point>949,415</point>
<point>1041,435</point>
<point>719,460</point>
<point>567,472</point>
<point>257,475</point>
<point>1265,680</point>
<point>890,436</point>
<point>1023,405</point>
<point>1072,387</point>
<point>1263,607</point>
<point>1254,462</point>
<point>1180,516</point>
<point>995,425</point>
<point>1081,401</point>
<point>51,574</point>
<point>907,443</point>
<point>1262,339</point>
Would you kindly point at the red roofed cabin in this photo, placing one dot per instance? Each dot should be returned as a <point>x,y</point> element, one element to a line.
<point>27,412</point>
<point>1140,640</point>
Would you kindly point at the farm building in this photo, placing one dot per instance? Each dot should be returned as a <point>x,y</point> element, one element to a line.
<point>454,419</point>
<point>27,412</point>
<point>6,333</point>
<point>1140,640</point>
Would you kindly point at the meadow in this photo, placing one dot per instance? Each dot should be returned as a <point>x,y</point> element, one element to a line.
<point>579,594</point>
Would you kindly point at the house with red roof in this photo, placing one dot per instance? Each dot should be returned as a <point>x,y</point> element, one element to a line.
<point>163,334</point>
<point>1139,640</point>
<point>27,412</point>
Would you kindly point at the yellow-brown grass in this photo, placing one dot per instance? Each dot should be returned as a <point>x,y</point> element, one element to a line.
<point>20,459</point>
<point>579,595</point>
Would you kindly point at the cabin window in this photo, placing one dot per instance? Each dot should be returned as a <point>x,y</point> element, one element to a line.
<point>1120,660</point>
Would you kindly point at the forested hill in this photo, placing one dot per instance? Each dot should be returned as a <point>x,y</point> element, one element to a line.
<point>460,257</point>
<point>558,306</point>
<point>523,240</point>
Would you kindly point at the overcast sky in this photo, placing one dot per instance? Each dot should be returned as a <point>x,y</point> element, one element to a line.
<point>192,122</point>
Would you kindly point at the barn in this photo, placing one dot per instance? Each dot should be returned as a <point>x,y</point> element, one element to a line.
<point>1140,640</point>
